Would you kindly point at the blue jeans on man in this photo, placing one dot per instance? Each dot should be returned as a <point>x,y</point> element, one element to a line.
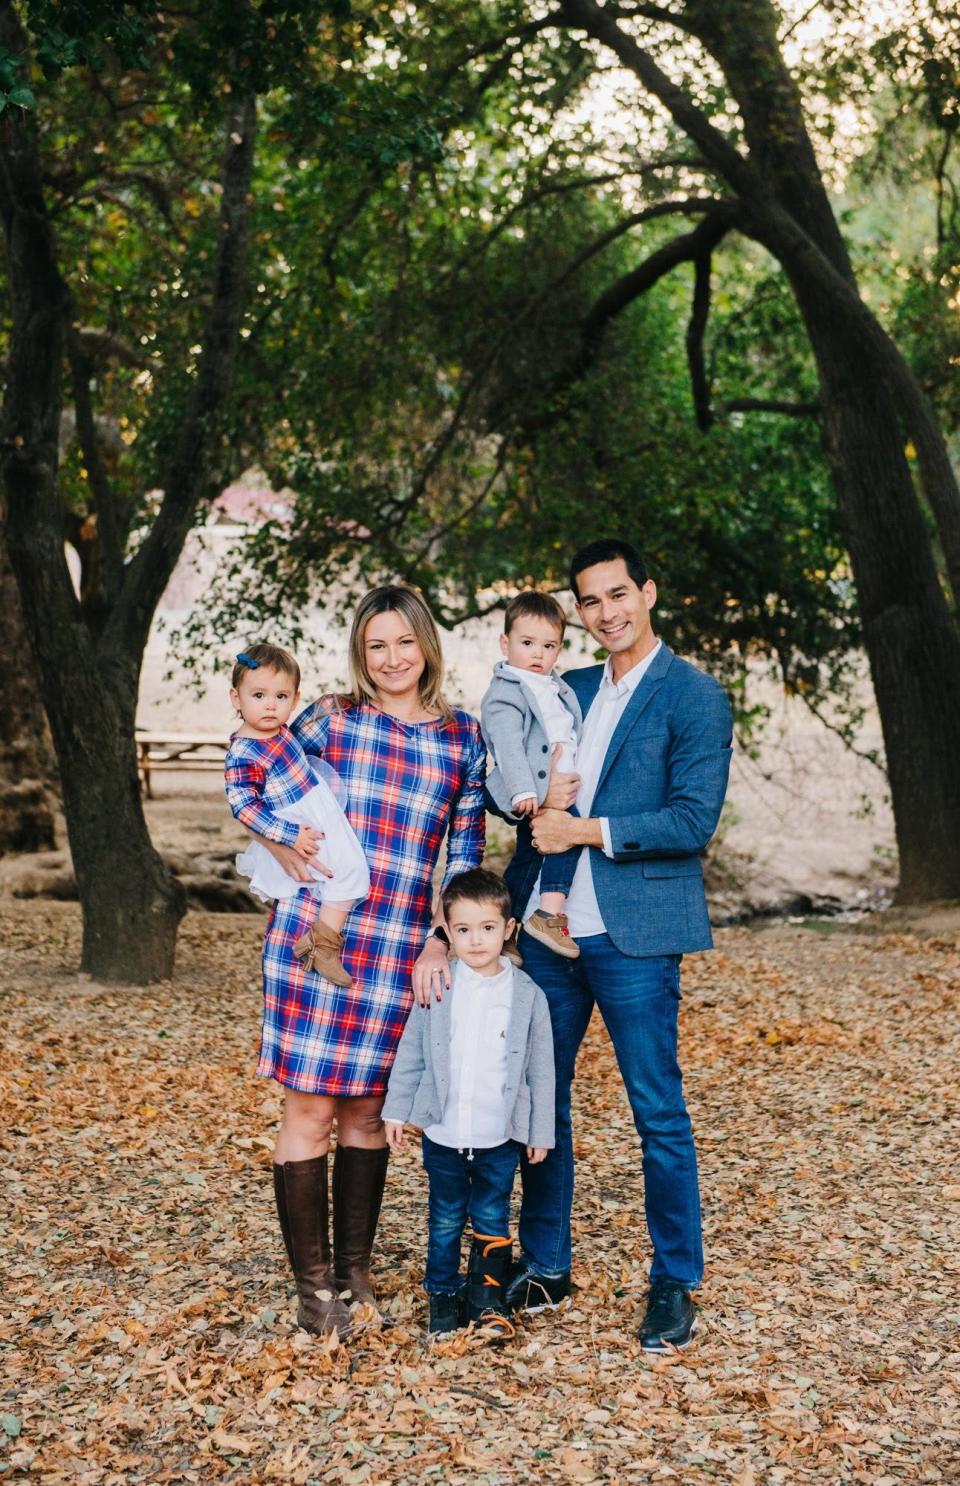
<point>638,999</point>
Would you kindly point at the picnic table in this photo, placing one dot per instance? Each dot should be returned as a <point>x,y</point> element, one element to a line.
<point>159,751</point>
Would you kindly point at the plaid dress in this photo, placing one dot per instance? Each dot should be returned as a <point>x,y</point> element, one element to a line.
<point>407,785</point>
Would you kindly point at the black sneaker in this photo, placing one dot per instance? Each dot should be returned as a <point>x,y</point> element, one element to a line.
<point>445,1314</point>
<point>529,1291</point>
<point>670,1319</point>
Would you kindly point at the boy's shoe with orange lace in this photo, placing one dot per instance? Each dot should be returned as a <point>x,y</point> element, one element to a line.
<point>551,929</point>
<point>485,1293</point>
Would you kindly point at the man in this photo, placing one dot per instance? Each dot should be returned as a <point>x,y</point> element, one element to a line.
<point>653,763</point>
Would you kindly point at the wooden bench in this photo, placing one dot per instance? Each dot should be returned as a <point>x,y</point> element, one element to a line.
<point>159,752</point>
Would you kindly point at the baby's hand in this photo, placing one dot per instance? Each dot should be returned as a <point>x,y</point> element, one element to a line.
<point>308,841</point>
<point>394,1131</point>
<point>525,807</point>
<point>535,1154</point>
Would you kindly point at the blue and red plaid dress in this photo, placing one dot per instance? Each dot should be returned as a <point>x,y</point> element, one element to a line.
<point>406,786</point>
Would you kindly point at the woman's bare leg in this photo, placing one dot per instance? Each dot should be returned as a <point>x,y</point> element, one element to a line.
<point>305,1128</point>
<point>359,1122</point>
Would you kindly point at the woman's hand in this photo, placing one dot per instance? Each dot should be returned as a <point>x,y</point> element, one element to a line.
<point>292,862</point>
<point>431,972</point>
<point>562,789</point>
<point>536,1154</point>
<point>394,1132</point>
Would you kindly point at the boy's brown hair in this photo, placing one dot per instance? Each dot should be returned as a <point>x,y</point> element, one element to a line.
<point>477,886</point>
<point>533,604</point>
<point>271,657</point>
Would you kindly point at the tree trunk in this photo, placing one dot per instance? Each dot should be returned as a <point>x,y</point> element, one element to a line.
<point>911,639</point>
<point>132,904</point>
<point>88,674</point>
<point>868,397</point>
<point>27,769</point>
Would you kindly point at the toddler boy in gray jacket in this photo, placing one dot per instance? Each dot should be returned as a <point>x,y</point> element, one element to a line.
<point>526,712</point>
<point>474,1070</point>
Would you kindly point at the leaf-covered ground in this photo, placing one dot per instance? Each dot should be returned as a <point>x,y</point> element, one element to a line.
<point>146,1331</point>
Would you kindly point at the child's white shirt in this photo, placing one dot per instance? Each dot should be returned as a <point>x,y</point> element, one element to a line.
<point>474,1113</point>
<point>556,717</point>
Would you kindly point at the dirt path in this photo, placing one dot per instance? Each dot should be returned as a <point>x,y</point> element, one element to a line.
<point>146,1318</point>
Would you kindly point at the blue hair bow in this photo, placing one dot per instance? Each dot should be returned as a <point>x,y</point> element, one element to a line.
<point>248,661</point>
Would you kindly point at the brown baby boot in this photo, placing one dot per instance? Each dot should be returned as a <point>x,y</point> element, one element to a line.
<point>551,929</point>
<point>320,949</point>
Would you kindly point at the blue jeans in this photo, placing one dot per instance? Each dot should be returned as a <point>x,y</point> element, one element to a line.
<point>526,865</point>
<point>477,1187</point>
<point>638,1000</point>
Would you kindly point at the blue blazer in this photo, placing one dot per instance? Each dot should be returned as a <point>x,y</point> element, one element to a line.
<point>661,787</point>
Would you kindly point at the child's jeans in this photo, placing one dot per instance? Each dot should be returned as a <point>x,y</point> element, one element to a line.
<point>526,865</point>
<point>463,1185</point>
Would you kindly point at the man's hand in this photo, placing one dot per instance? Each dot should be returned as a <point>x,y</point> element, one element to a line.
<point>308,841</point>
<point>556,830</point>
<point>536,1154</point>
<point>562,789</point>
<point>431,972</point>
<point>291,861</point>
<point>394,1131</point>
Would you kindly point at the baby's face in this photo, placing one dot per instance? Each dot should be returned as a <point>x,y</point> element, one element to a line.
<point>533,644</point>
<point>265,698</point>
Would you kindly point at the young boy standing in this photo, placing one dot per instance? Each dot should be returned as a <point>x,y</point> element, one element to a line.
<point>526,712</point>
<point>475,1072</point>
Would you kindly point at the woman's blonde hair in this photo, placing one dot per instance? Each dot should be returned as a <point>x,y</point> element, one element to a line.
<point>396,598</point>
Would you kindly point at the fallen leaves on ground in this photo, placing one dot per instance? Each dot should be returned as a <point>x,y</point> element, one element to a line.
<point>147,1329</point>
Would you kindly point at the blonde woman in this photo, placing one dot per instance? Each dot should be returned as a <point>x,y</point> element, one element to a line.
<point>412,770</point>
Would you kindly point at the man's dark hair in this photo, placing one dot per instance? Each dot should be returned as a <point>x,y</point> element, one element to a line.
<point>532,604</point>
<point>477,886</point>
<point>608,549</point>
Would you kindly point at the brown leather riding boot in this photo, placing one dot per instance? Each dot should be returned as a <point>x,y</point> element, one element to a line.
<point>358,1178</point>
<point>303,1209</point>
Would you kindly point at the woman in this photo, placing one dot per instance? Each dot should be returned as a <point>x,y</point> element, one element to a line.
<point>412,769</point>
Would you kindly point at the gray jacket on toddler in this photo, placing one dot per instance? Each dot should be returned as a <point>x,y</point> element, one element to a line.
<point>420,1077</point>
<point>516,736</point>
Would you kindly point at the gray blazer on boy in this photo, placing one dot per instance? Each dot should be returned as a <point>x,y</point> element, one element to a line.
<point>420,1077</point>
<point>515,734</point>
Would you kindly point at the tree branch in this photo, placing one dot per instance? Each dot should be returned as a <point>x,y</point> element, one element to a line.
<point>696,330</point>
<point>766,405</point>
<point>96,344</point>
<point>104,503</point>
<point>191,470</point>
<point>587,15</point>
<point>630,286</point>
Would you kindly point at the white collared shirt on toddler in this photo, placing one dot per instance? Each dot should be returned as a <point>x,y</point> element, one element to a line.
<point>474,1112</point>
<point>556,717</point>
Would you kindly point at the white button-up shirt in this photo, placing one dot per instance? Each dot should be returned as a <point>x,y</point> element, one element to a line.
<point>600,724</point>
<point>474,1112</point>
<point>544,692</point>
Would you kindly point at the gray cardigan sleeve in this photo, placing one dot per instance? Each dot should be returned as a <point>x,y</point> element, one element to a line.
<point>541,1076</point>
<point>502,722</point>
<point>408,1066</point>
